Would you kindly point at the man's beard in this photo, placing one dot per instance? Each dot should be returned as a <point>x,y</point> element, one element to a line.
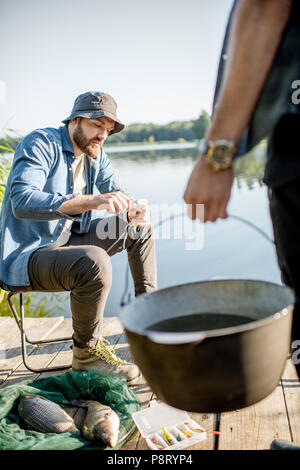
<point>84,144</point>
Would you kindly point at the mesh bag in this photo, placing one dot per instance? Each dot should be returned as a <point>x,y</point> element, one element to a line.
<point>109,389</point>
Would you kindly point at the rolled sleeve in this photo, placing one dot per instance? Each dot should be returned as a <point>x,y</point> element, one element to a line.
<point>63,215</point>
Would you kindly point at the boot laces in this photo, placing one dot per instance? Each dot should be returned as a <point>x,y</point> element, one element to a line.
<point>106,352</point>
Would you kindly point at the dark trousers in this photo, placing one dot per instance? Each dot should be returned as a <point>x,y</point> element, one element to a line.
<point>285,214</point>
<point>83,267</point>
<point>282,175</point>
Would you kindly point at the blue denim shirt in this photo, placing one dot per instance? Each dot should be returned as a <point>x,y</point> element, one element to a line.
<point>40,180</point>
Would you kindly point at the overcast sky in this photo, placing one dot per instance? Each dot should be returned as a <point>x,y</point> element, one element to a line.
<point>158,58</point>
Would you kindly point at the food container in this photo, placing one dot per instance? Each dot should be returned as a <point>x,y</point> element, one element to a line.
<point>167,428</point>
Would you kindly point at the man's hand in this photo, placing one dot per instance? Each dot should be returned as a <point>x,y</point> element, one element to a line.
<point>140,214</point>
<point>115,202</point>
<point>208,187</point>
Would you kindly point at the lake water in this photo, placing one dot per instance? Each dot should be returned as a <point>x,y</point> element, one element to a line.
<point>230,248</point>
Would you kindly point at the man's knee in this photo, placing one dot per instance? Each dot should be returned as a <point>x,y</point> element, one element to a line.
<point>141,234</point>
<point>148,234</point>
<point>95,265</point>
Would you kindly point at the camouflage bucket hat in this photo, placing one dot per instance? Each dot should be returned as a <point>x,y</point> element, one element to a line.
<point>96,104</point>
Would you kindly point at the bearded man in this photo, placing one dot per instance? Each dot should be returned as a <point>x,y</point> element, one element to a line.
<point>49,240</point>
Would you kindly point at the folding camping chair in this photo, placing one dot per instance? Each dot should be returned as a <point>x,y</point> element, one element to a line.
<point>19,317</point>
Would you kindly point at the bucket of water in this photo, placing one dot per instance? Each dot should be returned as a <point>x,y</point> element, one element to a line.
<point>211,346</point>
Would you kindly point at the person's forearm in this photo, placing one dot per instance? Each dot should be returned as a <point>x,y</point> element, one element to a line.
<point>114,202</point>
<point>78,205</point>
<point>255,35</point>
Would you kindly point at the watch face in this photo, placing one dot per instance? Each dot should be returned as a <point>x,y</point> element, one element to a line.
<point>222,154</point>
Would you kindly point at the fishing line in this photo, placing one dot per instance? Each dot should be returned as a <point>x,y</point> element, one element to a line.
<point>126,296</point>
<point>251,224</point>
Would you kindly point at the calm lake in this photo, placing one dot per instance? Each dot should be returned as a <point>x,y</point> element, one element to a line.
<point>189,251</point>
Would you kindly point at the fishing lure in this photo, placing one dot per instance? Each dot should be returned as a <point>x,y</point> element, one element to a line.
<point>168,437</point>
<point>186,433</point>
<point>158,445</point>
<point>193,428</point>
<point>201,430</point>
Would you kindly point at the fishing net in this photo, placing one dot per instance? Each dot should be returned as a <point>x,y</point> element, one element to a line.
<point>109,389</point>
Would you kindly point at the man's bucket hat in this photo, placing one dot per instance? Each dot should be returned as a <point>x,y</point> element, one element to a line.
<point>96,104</point>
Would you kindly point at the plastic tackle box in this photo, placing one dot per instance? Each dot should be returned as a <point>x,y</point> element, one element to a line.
<point>167,428</point>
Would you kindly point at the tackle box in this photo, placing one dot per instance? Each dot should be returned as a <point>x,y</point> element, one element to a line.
<point>167,428</point>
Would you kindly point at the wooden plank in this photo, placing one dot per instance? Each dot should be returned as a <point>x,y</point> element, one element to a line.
<point>37,328</point>
<point>291,388</point>
<point>255,427</point>
<point>63,356</point>
<point>112,329</point>
<point>41,328</point>
<point>4,321</point>
<point>42,355</point>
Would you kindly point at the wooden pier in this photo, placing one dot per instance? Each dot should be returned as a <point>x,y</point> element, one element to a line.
<point>252,428</point>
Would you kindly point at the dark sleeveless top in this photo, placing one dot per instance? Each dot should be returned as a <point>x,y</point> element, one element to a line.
<point>278,104</point>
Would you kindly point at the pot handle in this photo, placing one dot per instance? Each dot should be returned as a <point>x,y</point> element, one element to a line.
<point>176,338</point>
<point>126,296</point>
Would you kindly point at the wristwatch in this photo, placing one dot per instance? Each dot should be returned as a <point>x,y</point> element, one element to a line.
<point>219,153</point>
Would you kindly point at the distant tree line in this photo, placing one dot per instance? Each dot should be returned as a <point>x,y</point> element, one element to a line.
<point>174,131</point>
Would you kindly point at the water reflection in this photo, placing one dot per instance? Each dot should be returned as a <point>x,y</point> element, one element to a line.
<point>249,169</point>
<point>157,155</point>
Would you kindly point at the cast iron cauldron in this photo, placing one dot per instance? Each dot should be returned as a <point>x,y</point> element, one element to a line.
<point>215,370</point>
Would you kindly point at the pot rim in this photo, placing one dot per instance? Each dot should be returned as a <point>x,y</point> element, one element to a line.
<point>194,337</point>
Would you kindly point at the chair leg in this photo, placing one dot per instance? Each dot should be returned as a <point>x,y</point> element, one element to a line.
<point>21,324</point>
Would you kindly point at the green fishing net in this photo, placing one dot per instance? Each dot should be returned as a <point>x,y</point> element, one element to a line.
<point>109,389</point>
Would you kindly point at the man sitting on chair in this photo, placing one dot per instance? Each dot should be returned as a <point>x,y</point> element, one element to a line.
<point>49,241</point>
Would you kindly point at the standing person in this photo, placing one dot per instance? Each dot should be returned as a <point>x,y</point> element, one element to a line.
<point>256,97</point>
<point>49,241</point>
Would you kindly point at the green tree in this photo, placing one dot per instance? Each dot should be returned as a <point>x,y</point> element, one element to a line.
<point>201,124</point>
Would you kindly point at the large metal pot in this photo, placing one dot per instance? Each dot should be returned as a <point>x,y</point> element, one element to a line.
<point>215,370</point>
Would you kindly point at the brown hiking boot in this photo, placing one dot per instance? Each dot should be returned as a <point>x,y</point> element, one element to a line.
<point>103,357</point>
